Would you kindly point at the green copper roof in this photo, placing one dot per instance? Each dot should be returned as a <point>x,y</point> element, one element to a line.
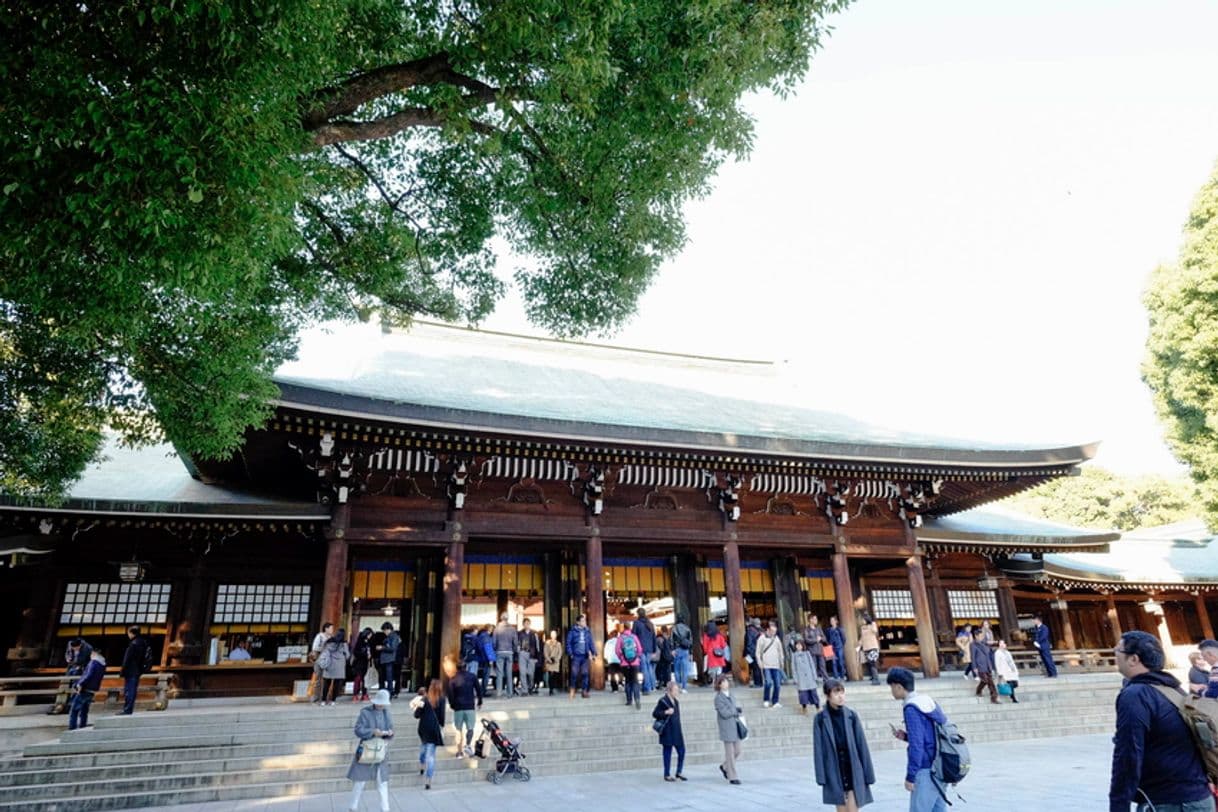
<point>1181,553</point>
<point>155,480</point>
<point>994,526</point>
<point>465,379</point>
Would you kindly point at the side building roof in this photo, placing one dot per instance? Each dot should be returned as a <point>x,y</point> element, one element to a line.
<point>993,530</point>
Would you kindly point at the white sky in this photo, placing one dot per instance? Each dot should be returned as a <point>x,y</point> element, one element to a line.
<point>949,227</point>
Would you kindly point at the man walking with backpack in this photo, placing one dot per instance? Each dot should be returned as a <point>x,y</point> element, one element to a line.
<point>921,714</point>
<point>1155,759</point>
<point>682,643</point>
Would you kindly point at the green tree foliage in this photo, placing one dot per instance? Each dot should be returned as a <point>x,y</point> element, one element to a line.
<point>1181,364</point>
<point>1104,500</point>
<point>185,184</point>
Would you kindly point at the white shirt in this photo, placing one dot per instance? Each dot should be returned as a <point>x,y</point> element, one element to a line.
<point>611,652</point>
<point>319,641</point>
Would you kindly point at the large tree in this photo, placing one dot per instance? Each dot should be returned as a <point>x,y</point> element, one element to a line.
<point>185,184</point>
<point>1104,500</point>
<point>1181,364</point>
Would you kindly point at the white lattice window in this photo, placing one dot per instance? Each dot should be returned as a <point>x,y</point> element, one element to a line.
<point>262,603</point>
<point>892,604</point>
<point>972,604</point>
<point>114,604</point>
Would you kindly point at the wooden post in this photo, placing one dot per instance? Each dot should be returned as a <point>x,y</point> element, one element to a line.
<point>1114,620</point>
<point>1008,616</point>
<point>735,607</point>
<point>1207,628</point>
<point>595,564</point>
<point>450,621</point>
<point>336,568</point>
<point>845,614</point>
<point>1165,640</point>
<point>928,647</point>
<point>1067,628</point>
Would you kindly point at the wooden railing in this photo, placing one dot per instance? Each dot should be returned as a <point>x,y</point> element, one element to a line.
<point>154,690</point>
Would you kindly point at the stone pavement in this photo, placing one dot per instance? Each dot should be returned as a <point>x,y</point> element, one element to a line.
<point>1070,772</point>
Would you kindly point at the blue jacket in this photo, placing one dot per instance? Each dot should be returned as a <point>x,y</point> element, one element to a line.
<point>646,633</point>
<point>486,648</point>
<point>982,656</point>
<point>1153,750</point>
<point>1044,642</point>
<point>921,713</point>
<point>837,639</point>
<point>579,642</point>
<point>92,678</point>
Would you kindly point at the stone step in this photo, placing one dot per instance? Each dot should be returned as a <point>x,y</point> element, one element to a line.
<point>263,783</point>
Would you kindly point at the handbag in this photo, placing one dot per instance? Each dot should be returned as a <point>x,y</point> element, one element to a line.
<point>828,651</point>
<point>659,724</point>
<point>718,652</point>
<point>1004,688</point>
<point>742,730</point>
<point>653,657</point>
<point>371,751</point>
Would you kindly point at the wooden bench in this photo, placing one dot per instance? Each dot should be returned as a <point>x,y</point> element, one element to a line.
<point>1084,660</point>
<point>154,690</point>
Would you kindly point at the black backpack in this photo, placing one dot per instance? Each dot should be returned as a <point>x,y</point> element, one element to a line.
<point>952,760</point>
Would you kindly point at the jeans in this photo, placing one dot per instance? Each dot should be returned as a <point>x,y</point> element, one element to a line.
<point>1204,805</point>
<point>464,719</point>
<point>837,667</point>
<point>472,667</point>
<point>681,667</point>
<point>579,674</point>
<point>632,683</point>
<point>925,796</point>
<point>528,667</point>
<point>503,665</point>
<point>427,759</point>
<point>668,748</point>
<point>131,686</point>
<point>773,683</point>
<point>387,677</point>
<point>649,673</point>
<point>78,712</point>
<point>484,677</point>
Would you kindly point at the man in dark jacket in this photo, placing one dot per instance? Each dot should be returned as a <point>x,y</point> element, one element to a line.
<point>387,659</point>
<point>486,658</point>
<point>77,656</point>
<point>646,632</point>
<point>682,645</point>
<point>751,633</point>
<point>1154,757</point>
<point>1043,641</point>
<point>134,659</point>
<point>528,655</point>
<point>580,651</point>
<point>983,664</point>
<point>814,644</point>
<point>464,696</point>
<point>837,639</point>
<point>85,689</point>
<point>921,714</point>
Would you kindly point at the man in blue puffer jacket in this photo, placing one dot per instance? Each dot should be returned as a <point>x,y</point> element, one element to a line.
<point>1154,757</point>
<point>921,713</point>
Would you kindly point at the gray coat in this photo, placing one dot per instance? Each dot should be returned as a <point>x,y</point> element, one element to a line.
<point>824,754</point>
<point>505,638</point>
<point>727,712</point>
<point>805,671</point>
<point>339,654</point>
<point>370,718</point>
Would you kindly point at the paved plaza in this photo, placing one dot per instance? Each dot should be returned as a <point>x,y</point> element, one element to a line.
<point>1070,772</point>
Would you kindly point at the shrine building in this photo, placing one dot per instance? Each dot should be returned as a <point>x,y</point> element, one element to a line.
<point>439,477</point>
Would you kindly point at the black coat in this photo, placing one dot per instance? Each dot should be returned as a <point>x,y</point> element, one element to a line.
<point>431,722</point>
<point>133,657</point>
<point>671,734</point>
<point>824,754</point>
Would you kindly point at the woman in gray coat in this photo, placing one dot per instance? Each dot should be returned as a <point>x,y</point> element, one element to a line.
<point>374,722</point>
<point>333,661</point>
<point>728,713</point>
<point>839,750</point>
<point>805,676</point>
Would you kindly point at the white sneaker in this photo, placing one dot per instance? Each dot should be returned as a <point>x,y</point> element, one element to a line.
<point>776,705</point>
<point>684,691</point>
<point>766,705</point>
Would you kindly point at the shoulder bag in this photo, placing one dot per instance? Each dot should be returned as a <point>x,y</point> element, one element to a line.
<point>658,725</point>
<point>742,730</point>
<point>371,751</point>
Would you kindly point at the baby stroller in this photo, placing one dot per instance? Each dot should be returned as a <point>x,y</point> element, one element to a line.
<point>510,757</point>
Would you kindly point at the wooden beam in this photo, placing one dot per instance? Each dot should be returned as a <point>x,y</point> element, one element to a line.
<point>1207,628</point>
<point>595,571</point>
<point>928,648</point>
<point>735,607</point>
<point>1114,620</point>
<point>336,568</point>
<point>450,621</point>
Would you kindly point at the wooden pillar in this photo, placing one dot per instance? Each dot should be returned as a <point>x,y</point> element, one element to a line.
<point>595,607</point>
<point>928,648</point>
<point>1114,620</point>
<point>845,614</point>
<point>788,597</point>
<point>940,609</point>
<point>1160,615</point>
<point>450,620</point>
<point>1008,616</point>
<point>336,568</point>
<point>735,607</point>
<point>1067,628</point>
<point>1207,628</point>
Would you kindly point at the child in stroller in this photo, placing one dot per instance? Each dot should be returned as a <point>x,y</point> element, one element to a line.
<point>510,757</point>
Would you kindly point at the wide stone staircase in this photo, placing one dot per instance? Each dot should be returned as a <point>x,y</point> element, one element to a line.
<point>233,752</point>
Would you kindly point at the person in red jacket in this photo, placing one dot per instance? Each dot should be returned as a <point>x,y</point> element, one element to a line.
<point>714,649</point>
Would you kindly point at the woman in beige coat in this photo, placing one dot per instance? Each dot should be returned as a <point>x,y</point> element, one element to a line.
<point>869,645</point>
<point>553,657</point>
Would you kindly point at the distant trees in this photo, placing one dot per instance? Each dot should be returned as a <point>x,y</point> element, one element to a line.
<point>1104,500</point>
